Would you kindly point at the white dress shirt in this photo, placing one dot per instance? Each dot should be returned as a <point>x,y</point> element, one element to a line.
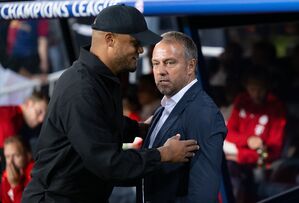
<point>168,104</point>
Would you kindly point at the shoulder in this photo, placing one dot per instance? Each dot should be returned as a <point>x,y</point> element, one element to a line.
<point>9,112</point>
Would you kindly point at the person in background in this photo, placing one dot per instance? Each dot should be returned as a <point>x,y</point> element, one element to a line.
<point>131,105</point>
<point>19,164</point>
<point>79,152</point>
<point>13,119</point>
<point>148,96</point>
<point>255,128</point>
<point>27,47</point>
<point>189,111</point>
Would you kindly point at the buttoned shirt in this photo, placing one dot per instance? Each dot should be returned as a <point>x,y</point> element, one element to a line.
<point>168,104</point>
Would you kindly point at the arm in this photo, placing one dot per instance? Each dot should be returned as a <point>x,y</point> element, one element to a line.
<point>43,54</point>
<point>101,151</point>
<point>205,171</point>
<point>274,141</point>
<point>43,28</point>
<point>9,193</point>
<point>234,135</point>
<point>5,187</point>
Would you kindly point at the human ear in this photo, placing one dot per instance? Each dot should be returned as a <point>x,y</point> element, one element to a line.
<point>109,39</point>
<point>192,66</point>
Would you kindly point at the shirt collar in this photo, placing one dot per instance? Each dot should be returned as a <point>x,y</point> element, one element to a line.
<point>94,64</point>
<point>165,102</point>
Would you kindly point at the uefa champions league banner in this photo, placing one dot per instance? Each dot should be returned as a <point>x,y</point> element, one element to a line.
<point>84,8</point>
<point>53,9</point>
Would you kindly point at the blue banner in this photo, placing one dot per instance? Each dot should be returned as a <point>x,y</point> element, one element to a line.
<point>83,8</point>
<point>53,9</point>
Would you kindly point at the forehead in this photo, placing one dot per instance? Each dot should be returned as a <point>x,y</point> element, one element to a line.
<point>13,147</point>
<point>40,104</point>
<point>167,50</point>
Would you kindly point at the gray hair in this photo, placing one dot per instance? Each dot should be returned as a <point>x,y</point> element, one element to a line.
<point>181,38</point>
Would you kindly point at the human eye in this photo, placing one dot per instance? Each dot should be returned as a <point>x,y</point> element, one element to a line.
<point>136,43</point>
<point>170,62</point>
<point>155,63</point>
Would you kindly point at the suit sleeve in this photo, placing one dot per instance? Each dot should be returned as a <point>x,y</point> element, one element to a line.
<point>205,171</point>
<point>101,152</point>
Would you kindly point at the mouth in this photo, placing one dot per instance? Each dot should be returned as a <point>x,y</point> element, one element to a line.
<point>164,81</point>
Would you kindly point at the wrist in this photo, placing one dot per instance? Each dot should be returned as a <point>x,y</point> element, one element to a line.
<point>163,153</point>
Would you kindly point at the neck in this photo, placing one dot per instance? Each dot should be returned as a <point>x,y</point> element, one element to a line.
<point>103,56</point>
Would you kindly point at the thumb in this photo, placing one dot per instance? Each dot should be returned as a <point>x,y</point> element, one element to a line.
<point>176,137</point>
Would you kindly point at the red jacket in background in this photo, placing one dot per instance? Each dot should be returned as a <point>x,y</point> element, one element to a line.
<point>14,195</point>
<point>266,121</point>
<point>11,122</point>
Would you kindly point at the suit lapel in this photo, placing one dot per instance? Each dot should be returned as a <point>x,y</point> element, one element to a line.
<point>156,118</point>
<point>174,115</point>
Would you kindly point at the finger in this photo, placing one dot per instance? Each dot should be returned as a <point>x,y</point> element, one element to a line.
<point>190,142</point>
<point>176,137</point>
<point>190,154</point>
<point>191,148</point>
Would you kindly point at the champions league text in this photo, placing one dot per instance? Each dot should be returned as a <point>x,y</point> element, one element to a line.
<point>53,9</point>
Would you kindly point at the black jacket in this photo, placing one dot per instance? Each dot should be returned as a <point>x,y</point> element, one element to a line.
<point>79,156</point>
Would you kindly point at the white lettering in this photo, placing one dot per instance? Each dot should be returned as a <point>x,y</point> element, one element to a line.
<point>28,10</point>
<point>74,11</point>
<point>36,10</point>
<point>64,10</point>
<point>82,8</point>
<point>50,9</point>
<point>4,7</point>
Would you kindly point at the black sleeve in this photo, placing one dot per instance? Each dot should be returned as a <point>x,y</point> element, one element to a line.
<point>101,153</point>
<point>131,130</point>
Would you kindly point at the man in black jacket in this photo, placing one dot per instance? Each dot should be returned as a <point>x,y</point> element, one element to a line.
<point>79,156</point>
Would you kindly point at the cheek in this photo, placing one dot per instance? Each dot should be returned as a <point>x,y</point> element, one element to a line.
<point>20,162</point>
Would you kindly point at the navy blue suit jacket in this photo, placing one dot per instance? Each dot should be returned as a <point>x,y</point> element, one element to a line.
<point>195,117</point>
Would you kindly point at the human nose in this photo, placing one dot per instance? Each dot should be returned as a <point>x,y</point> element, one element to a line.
<point>161,69</point>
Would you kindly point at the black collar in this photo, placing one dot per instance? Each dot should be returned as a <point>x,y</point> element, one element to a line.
<point>95,65</point>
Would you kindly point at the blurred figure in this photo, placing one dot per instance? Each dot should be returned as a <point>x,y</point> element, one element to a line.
<point>130,109</point>
<point>13,119</point>
<point>27,47</point>
<point>228,66</point>
<point>255,128</point>
<point>148,96</point>
<point>264,54</point>
<point>57,57</point>
<point>131,106</point>
<point>18,167</point>
<point>3,33</point>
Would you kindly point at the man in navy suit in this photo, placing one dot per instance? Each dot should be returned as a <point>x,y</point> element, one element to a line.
<point>189,111</point>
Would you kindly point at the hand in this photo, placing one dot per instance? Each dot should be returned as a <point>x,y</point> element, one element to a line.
<point>42,78</point>
<point>135,145</point>
<point>231,157</point>
<point>176,150</point>
<point>254,142</point>
<point>13,174</point>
